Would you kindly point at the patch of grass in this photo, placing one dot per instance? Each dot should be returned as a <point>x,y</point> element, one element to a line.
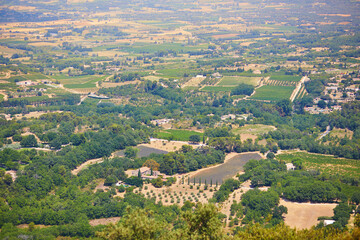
<point>289,78</point>
<point>235,81</point>
<point>217,89</point>
<point>79,81</point>
<point>273,93</point>
<point>35,76</point>
<point>325,164</point>
<point>178,135</point>
<point>256,129</point>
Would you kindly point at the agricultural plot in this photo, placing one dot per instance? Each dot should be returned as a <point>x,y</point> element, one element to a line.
<point>255,129</point>
<point>270,82</point>
<point>178,135</point>
<point>143,151</point>
<point>217,89</point>
<point>79,81</point>
<point>273,93</point>
<point>325,164</point>
<point>235,81</point>
<point>341,133</point>
<point>226,170</point>
<point>35,76</point>
<point>288,78</point>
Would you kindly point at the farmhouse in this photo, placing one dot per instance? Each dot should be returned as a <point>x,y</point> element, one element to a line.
<point>161,121</point>
<point>216,75</point>
<point>229,116</point>
<point>26,83</point>
<point>290,166</point>
<point>146,173</point>
<point>328,222</point>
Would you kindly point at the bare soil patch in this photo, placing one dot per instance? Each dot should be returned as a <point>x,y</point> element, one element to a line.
<point>104,221</point>
<point>193,82</point>
<point>111,84</point>
<point>305,215</point>
<point>85,164</point>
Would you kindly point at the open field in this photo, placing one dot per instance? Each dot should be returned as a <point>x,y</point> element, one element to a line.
<point>235,81</point>
<point>324,163</point>
<point>165,145</point>
<point>305,215</point>
<point>289,78</point>
<point>254,129</point>
<point>217,89</point>
<point>179,135</point>
<point>273,93</point>
<point>193,82</point>
<point>79,81</point>
<point>341,133</point>
<point>226,170</point>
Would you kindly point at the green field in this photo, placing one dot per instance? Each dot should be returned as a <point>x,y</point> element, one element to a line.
<point>79,81</point>
<point>325,164</point>
<point>35,76</point>
<point>217,89</point>
<point>289,78</point>
<point>178,135</point>
<point>256,129</point>
<point>235,81</point>
<point>273,93</point>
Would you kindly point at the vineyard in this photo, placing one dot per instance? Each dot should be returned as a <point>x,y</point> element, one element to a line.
<point>301,93</point>
<point>273,93</point>
<point>272,82</point>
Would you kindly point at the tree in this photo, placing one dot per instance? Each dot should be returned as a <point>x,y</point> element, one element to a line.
<point>131,152</point>
<point>152,164</point>
<point>270,155</point>
<point>284,107</point>
<point>110,180</point>
<point>194,138</point>
<point>243,89</point>
<point>203,223</point>
<point>137,224</point>
<point>29,141</point>
<point>157,182</point>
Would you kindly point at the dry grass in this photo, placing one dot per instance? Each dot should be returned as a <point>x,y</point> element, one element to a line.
<point>104,221</point>
<point>193,82</point>
<point>111,84</point>
<point>305,215</point>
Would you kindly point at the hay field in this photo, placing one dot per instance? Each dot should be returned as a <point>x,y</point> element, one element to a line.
<point>305,215</point>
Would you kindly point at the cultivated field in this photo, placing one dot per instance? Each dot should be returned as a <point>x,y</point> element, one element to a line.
<point>273,93</point>
<point>217,89</point>
<point>178,135</point>
<point>226,170</point>
<point>326,164</point>
<point>254,129</point>
<point>144,151</point>
<point>234,81</point>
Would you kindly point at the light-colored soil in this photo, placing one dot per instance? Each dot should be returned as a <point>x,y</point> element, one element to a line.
<point>85,164</point>
<point>193,82</point>
<point>165,145</point>
<point>245,136</point>
<point>111,84</point>
<point>31,115</point>
<point>305,215</point>
<point>104,221</point>
<point>253,129</point>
